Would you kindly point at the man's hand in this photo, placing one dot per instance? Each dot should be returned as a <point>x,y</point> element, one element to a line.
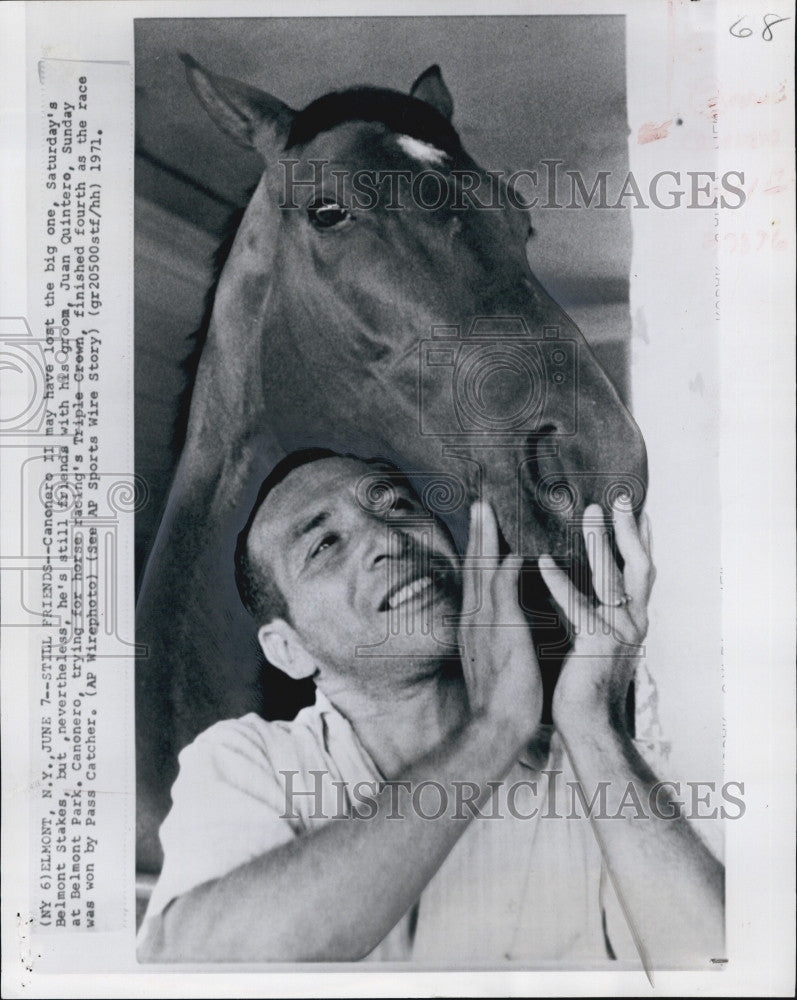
<point>502,675</point>
<point>609,628</point>
<point>670,885</point>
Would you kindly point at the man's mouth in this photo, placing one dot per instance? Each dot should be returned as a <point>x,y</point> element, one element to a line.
<point>405,592</point>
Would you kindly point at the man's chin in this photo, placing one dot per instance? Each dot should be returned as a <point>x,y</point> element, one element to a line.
<point>420,638</point>
<point>439,642</point>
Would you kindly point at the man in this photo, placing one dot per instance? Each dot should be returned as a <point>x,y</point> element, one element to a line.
<point>274,852</point>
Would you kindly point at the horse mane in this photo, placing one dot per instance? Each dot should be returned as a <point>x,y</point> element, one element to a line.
<point>401,113</point>
<point>281,696</point>
<point>190,364</point>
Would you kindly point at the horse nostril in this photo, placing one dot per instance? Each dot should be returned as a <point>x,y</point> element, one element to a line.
<point>544,477</point>
<point>539,445</point>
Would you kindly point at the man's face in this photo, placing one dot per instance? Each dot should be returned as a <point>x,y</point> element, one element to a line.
<point>359,577</point>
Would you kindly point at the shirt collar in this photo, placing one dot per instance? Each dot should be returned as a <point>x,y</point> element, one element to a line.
<point>535,755</point>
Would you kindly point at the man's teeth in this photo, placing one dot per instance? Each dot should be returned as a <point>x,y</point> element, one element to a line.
<point>409,591</point>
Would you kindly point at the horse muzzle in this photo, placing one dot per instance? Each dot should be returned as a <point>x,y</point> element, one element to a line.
<point>541,488</point>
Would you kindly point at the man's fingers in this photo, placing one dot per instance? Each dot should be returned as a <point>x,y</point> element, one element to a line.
<point>489,530</point>
<point>645,535</point>
<point>481,559</point>
<point>638,569</point>
<point>468,571</point>
<point>571,603</point>
<point>505,589</point>
<point>485,528</point>
<point>607,581</point>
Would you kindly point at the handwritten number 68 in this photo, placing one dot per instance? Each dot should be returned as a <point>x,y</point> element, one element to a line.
<point>770,20</point>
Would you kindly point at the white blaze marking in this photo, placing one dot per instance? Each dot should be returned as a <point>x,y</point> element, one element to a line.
<point>419,150</point>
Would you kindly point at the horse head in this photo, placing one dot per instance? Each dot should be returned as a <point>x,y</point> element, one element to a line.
<point>379,304</point>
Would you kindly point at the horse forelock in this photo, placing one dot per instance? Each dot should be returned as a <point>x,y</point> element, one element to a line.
<point>400,113</point>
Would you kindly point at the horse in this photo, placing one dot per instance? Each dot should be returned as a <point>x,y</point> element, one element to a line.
<point>348,319</point>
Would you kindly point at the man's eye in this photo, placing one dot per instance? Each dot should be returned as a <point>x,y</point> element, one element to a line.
<point>326,542</point>
<point>325,213</point>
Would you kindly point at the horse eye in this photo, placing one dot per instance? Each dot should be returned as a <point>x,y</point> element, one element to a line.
<point>402,504</point>
<point>325,214</point>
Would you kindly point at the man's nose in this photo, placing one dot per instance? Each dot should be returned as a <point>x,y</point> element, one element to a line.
<point>385,542</point>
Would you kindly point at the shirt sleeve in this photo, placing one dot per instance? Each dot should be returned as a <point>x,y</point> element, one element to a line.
<point>227,808</point>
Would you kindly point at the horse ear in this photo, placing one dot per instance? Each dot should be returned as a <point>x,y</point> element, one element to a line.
<point>429,87</point>
<point>251,117</point>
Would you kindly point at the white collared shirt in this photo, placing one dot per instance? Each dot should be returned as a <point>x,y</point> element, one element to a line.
<point>512,888</point>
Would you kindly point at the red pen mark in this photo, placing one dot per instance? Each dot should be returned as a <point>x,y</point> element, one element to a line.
<point>650,132</point>
<point>776,97</point>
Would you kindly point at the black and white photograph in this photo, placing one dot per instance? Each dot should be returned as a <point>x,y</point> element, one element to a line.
<point>392,531</point>
<point>381,372</point>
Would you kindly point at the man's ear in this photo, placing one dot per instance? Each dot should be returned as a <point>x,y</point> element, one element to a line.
<point>283,649</point>
<point>251,117</point>
<point>429,87</point>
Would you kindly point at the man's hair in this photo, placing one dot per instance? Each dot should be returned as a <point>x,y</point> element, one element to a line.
<point>257,587</point>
